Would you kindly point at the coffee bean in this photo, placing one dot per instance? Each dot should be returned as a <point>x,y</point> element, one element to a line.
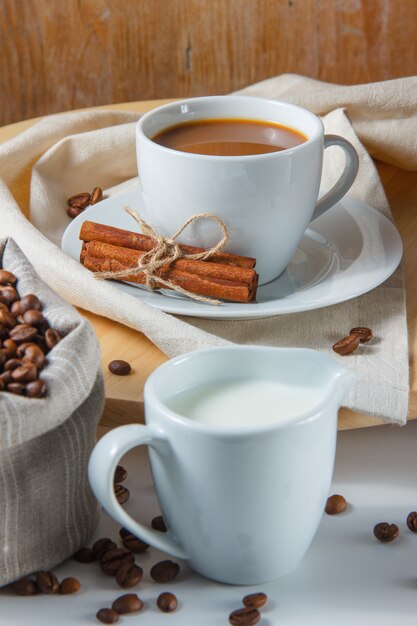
<point>23,332</point>
<point>119,367</point>
<point>347,345</point>
<point>165,571</point>
<point>33,353</point>
<point>52,338</point>
<point>129,603</point>
<point>17,388</point>
<point>47,582</point>
<point>159,524</point>
<point>69,585</point>
<point>84,555</point>
<point>28,302</point>
<point>122,494</point>
<point>101,546</point>
<point>24,587</point>
<point>255,600</point>
<point>12,364</point>
<point>6,377</point>
<point>33,318</point>
<point>365,334</point>
<point>7,278</point>
<point>25,373</point>
<point>15,308</point>
<point>107,616</point>
<point>244,617</point>
<point>412,521</point>
<point>120,474</point>
<point>129,575</point>
<point>81,199</point>
<point>167,602</point>
<point>74,211</point>
<point>335,504</point>
<point>36,389</point>
<point>9,348</point>
<point>97,195</point>
<point>113,560</point>
<point>8,294</point>
<point>134,544</point>
<point>7,319</point>
<point>386,532</point>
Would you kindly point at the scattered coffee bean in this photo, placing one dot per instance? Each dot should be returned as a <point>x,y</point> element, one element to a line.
<point>120,474</point>
<point>365,334</point>
<point>69,585</point>
<point>386,532</point>
<point>84,555</point>
<point>159,524</point>
<point>167,602</point>
<point>101,546</point>
<point>97,195</point>
<point>244,617</point>
<point>134,544</point>
<point>7,278</point>
<point>335,504</point>
<point>80,199</point>
<point>122,494</point>
<point>113,560</point>
<point>129,575</point>
<point>74,211</point>
<point>107,616</point>
<point>119,367</point>
<point>412,521</point>
<point>47,582</point>
<point>347,345</point>
<point>165,571</point>
<point>255,600</point>
<point>32,352</point>
<point>129,603</point>
<point>24,587</point>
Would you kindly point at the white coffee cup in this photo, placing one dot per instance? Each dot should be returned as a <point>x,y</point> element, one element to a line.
<point>241,502</point>
<point>266,200</point>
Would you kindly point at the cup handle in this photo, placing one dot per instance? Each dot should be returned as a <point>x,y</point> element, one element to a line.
<point>101,467</point>
<point>346,179</point>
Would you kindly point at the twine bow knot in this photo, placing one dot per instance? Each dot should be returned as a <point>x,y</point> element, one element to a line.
<point>165,252</point>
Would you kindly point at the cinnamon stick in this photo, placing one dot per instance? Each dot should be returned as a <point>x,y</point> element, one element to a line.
<point>204,269</point>
<point>92,231</point>
<point>210,287</point>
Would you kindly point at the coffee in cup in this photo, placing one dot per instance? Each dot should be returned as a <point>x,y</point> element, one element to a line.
<point>266,197</point>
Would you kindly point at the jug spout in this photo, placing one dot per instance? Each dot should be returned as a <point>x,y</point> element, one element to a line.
<point>343,382</point>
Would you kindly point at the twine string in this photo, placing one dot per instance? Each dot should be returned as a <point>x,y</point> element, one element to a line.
<point>165,252</point>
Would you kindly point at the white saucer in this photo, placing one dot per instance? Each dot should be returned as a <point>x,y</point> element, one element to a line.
<point>348,251</point>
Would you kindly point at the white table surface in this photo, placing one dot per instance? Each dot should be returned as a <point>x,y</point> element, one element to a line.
<point>347,577</point>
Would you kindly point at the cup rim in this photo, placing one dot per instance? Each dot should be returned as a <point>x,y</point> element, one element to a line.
<point>248,157</point>
<point>151,395</point>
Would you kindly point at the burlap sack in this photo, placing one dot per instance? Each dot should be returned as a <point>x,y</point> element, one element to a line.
<point>47,510</point>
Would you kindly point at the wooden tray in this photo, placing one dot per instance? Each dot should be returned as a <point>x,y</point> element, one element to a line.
<point>124,395</point>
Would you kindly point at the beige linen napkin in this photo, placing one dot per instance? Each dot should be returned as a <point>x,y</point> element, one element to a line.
<point>75,151</point>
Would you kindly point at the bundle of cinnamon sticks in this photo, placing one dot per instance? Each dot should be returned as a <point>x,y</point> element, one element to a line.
<point>224,276</point>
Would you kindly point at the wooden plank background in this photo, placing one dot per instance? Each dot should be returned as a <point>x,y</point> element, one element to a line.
<point>63,54</point>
